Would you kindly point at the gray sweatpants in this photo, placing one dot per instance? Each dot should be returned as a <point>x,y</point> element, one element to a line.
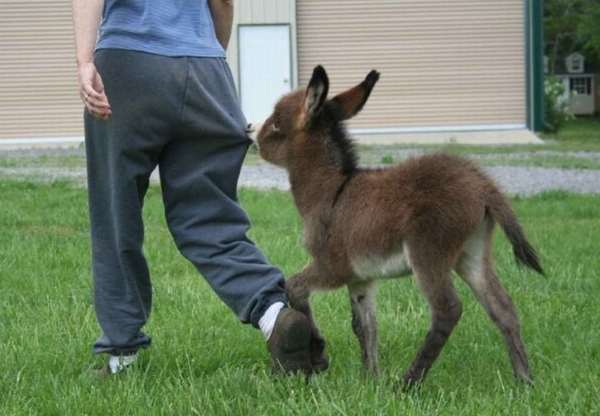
<point>183,115</point>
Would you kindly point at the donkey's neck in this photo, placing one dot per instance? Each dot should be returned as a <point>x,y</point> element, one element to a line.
<point>315,180</point>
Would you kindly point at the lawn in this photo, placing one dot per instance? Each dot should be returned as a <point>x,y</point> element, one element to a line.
<point>575,146</point>
<point>204,362</point>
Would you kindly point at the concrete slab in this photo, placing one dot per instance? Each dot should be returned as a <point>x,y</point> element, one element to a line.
<point>499,137</point>
<point>41,143</point>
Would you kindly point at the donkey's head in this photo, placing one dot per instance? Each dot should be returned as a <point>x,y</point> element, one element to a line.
<point>307,115</point>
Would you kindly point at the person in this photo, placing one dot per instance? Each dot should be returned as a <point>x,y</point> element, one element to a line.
<point>158,92</point>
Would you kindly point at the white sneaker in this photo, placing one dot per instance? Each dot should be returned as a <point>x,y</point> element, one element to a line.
<point>119,363</point>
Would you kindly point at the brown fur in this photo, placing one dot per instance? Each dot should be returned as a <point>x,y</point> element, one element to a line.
<point>430,208</point>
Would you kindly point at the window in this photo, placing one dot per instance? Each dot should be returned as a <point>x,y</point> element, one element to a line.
<point>575,63</point>
<point>580,85</point>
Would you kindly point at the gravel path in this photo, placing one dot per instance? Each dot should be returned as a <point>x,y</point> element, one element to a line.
<point>524,181</point>
<point>378,152</point>
<point>515,180</point>
<point>69,164</point>
<point>527,181</point>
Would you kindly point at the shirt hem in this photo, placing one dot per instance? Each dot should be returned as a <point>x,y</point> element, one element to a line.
<point>164,51</point>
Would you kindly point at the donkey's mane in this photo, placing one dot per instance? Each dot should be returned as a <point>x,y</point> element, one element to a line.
<point>339,143</point>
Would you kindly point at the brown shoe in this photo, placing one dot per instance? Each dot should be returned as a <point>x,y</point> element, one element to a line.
<point>290,343</point>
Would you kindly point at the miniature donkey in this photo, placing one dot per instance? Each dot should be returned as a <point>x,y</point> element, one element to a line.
<point>429,216</point>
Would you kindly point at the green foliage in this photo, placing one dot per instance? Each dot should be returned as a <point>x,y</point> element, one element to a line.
<point>589,29</point>
<point>570,26</point>
<point>556,109</point>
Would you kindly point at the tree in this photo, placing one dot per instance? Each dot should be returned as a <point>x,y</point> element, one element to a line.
<point>588,30</point>
<point>569,26</point>
<point>561,19</point>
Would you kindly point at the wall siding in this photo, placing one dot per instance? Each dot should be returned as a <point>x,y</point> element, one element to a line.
<point>38,83</point>
<point>442,63</point>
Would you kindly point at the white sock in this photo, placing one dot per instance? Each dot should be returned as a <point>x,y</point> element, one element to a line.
<point>267,321</point>
<point>118,363</point>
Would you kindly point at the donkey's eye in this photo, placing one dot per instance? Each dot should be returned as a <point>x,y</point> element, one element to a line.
<point>274,128</point>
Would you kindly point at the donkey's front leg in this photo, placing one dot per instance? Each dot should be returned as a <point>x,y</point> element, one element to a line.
<point>364,322</point>
<point>298,289</point>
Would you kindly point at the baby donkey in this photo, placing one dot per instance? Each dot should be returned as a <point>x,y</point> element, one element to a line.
<point>427,216</point>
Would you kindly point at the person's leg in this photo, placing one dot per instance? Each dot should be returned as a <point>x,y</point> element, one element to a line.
<point>143,91</point>
<point>199,172</point>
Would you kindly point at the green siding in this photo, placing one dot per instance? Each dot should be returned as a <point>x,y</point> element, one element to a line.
<point>535,64</point>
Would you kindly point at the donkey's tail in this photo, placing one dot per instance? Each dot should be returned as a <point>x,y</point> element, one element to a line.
<point>501,212</point>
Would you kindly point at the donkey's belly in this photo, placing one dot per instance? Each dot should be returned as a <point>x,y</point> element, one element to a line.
<point>372,266</point>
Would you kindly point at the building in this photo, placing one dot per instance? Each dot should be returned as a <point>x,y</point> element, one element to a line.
<point>579,80</point>
<point>454,66</point>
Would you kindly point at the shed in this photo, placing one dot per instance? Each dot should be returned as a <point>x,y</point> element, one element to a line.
<point>579,83</point>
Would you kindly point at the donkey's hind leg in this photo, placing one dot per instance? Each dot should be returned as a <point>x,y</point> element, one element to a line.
<point>433,276</point>
<point>477,269</point>
<point>298,288</point>
<point>364,323</point>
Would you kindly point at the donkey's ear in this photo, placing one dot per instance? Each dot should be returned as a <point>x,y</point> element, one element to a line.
<point>350,102</point>
<point>317,90</point>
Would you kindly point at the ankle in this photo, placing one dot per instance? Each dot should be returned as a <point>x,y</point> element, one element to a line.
<point>118,363</point>
<point>267,322</point>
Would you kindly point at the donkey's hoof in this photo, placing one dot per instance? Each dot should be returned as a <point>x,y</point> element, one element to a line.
<point>411,380</point>
<point>526,379</point>
<point>320,364</point>
<point>318,356</point>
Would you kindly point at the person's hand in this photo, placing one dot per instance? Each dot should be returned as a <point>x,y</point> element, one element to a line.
<point>91,91</point>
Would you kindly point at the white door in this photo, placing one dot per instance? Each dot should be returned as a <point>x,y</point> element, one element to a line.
<point>582,94</point>
<point>265,68</point>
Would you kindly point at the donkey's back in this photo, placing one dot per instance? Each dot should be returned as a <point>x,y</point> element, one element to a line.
<point>426,191</point>
<point>437,198</point>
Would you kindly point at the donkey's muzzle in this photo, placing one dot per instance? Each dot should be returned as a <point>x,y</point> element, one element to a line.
<point>252,130</point>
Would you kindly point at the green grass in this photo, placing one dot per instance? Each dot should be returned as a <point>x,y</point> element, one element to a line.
<point>544,161</point>
<point>561,161</point>
<point>580,135</point>
<point>579,132</point>
<point>205,362</point>
<point>50,161</point>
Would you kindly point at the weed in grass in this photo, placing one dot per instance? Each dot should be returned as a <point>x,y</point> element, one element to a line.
<point>387,160</point>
